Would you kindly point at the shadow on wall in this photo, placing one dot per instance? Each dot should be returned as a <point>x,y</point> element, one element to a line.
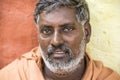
<point>17,29</point>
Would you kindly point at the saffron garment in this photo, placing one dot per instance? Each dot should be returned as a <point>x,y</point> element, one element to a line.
<point>30,65</point>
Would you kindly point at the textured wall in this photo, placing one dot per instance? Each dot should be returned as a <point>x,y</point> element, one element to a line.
<point>105,39</point>
<point>17,29</point>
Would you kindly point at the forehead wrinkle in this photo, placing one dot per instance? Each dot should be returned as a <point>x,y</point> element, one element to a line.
<point>60,15</point>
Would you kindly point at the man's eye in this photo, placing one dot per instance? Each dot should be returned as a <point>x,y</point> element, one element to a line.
<point>46,31</point>
<point>67,29</point>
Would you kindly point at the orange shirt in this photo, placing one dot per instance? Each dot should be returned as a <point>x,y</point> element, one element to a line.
<point>29,67</point>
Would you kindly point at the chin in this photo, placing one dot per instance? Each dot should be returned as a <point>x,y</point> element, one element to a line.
<point>60,66</point>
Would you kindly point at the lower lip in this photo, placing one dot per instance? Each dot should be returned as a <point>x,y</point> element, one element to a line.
<point>59,55</point>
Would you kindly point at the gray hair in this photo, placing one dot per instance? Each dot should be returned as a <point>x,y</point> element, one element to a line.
<point>82,11</point>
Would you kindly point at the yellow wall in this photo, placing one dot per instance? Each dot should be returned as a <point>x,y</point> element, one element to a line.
<point>105,39</point>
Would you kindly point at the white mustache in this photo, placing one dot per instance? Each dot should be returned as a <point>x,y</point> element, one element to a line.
<point>62,48</point>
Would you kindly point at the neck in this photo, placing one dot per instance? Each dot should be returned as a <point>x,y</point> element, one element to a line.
<point>73,75</point>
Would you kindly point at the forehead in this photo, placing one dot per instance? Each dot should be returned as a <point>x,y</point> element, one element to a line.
<point>59,15</point>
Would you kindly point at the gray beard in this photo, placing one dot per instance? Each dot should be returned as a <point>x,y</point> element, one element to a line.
<point>69,66</point>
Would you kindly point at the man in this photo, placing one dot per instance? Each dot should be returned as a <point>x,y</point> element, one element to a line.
<point>63,32</point>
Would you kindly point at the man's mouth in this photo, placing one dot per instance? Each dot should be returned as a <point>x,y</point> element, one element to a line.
<point>59,54</point>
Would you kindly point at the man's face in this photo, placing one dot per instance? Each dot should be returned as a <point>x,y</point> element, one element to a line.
<point>62,39</point>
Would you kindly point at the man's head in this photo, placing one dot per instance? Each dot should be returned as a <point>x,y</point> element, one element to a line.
<point>64,30</point>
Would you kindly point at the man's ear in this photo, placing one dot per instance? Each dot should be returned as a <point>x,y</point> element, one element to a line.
<point>87,31</point>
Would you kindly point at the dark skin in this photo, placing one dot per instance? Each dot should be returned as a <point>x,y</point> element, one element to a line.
<point>61,27</point>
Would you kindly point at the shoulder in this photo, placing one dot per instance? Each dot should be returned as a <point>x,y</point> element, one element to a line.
<point>14,70</point>
<point>105,73</point>
<point>18,67</point>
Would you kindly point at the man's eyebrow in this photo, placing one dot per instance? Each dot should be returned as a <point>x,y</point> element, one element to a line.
<point>42,26</point>
<point>67,24</point>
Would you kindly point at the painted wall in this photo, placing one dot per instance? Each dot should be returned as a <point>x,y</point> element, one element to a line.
<point>105,39</point>
<point>17,29</point>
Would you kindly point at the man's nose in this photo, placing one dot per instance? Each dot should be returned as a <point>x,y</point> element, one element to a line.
<point>57,39</point>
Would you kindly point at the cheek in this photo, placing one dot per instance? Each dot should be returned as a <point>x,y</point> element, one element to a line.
<point>75,41</point>
<point>75,47</point>
<point>44,42</point>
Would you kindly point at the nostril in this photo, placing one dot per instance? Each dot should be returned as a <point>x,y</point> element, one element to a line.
<point>56,43</point>
<point>52,45</point>
<point>57,47</point>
